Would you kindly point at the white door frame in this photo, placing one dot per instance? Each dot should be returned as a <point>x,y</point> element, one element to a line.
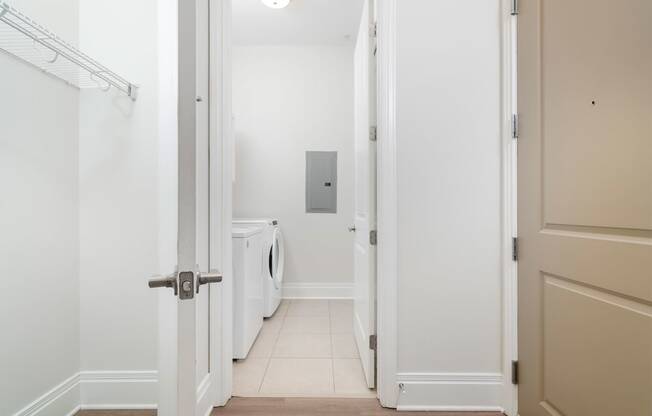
<point>221,155</point>
<point>168,190</point>
<point>509,176</point>
<point>388,389</point>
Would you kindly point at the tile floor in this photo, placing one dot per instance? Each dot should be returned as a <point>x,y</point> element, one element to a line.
<point>305,350</point>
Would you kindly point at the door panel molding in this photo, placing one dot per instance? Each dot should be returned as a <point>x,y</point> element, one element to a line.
<point>600,295</point>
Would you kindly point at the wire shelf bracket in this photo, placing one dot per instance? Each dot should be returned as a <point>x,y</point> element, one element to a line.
<point>30,42</point>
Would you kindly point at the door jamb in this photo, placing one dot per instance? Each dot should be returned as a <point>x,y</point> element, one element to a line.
<point>221,139</point>
<point>168,191</point>
<point>509,173</point>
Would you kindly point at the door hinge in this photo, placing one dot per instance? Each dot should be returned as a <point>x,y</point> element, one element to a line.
<point>514,126</point>
<point>515,372</point>
<point>373,133</point>
<point>515,248</point>
<point>514,11</point>
<point>373,237</point>
<point>373,34</point>
<point>373,342</point>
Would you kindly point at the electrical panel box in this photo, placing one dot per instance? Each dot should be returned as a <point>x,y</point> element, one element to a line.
<point>321,182</point>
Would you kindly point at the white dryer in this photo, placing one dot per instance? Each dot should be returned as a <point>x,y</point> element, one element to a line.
<point>273,261</point>
<point>247,287</point>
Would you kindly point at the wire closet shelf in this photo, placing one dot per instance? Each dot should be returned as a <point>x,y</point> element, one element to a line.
<point>30,42</point>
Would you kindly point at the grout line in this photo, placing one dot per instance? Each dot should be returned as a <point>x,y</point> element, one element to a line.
<point>330,335</point>
<point>271,354</point>
<point>333,373</point>
<point>330,320</point>
<point>262,380</point>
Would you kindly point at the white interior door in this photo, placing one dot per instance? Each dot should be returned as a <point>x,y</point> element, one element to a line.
<point>187,378</point>
<point>365,195</point>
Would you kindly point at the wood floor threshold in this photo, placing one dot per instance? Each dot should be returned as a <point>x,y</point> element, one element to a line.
<point>257,406</point>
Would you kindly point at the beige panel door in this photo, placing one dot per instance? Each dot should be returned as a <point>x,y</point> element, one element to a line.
<point>585,207</point>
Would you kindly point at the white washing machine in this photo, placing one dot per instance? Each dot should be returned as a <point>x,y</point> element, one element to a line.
<point>273,261</point>
<point>247,287</point>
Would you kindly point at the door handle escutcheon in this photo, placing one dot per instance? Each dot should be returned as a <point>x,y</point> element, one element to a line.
<point>213,276</point>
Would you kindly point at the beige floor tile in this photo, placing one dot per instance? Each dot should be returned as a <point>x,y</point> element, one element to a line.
<point>308,307</point>
<point>294,376</point>
<point>341,306</point>
<point>264,344</point>
<point>339,311</point>
<point>341,323</point>
<point>344,346</point>
<point>248,375</point>
<point>282,308</point>
<point>273,324</point>
<point>281,311</point>
<point>349,378</point>
<point>301,345</point>
<point>306,324</point>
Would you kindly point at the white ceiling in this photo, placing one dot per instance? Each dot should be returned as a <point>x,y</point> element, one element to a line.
<point>303,22</point>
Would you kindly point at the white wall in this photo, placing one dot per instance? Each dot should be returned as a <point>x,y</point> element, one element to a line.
<point>39,295</point>
<point>119,206</point>
<point>450,203</point>
<point>288,100</point>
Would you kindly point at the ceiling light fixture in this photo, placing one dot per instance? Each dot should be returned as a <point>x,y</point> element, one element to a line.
<point>276,4</point>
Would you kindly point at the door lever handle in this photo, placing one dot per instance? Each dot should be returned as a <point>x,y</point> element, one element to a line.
<point>352,229</point>
<point>170,281</point>
<point>213,276</point>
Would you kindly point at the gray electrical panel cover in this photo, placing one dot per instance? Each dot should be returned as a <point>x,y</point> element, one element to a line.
<point>321,182</point>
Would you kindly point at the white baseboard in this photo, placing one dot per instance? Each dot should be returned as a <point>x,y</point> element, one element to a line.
<point>118,389</point>
<point>138,390</point>
<point>450,392</point>
<point>63,399</point>
<point>97,390</point>
<point>293,290</point>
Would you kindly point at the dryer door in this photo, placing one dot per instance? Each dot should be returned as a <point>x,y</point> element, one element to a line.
<point>277,261</point>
